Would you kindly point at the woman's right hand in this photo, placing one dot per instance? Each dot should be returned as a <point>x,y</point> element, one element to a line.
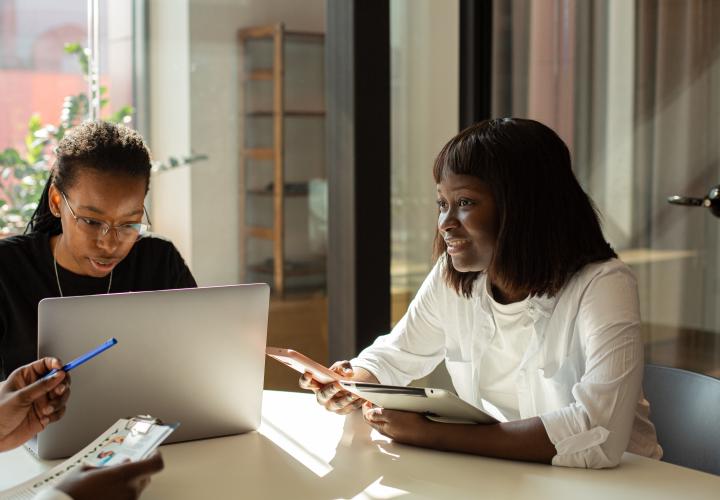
<point>117,482</point>
<point>332,396</point>
<point>29,402</point>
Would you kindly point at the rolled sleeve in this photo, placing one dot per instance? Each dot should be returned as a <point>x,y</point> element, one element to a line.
<point>594,431</point>
<point>417,343</point>
<point>576,447</point>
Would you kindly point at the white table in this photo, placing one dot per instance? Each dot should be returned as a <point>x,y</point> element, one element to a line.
<point>302,451</point>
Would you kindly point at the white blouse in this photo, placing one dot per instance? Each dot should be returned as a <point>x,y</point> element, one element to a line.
<point>499,369</point>
<point>581,372</point>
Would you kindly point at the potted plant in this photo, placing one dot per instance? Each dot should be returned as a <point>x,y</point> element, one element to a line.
<point>23,173</point>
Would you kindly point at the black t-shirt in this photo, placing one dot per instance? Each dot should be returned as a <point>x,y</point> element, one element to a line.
<point>27,276</point>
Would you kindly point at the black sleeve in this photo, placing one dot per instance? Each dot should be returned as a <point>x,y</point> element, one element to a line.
<point>3,332</point>
<point>180,275</point>
<point>183,276</point>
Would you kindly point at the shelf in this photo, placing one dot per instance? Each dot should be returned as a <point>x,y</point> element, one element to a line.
<point>265,124</point>
<point>299,113</point>
<point>270,31</point>
<point>264,233</point>
<point>259,153</point>
<point>257,32</point>
<point>291,268</point>
<point>264,192</point>
<point>306,34</point>
<point>260,74</point>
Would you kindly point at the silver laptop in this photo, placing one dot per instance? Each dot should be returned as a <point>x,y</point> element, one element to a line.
<point>194,356</point>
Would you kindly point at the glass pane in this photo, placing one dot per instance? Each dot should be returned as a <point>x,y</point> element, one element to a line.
<point>43,89</point>
<point>245,208</point>
<point>634,90</point>
<point>424,116</point>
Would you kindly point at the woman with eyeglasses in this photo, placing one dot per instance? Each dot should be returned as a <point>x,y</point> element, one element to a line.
<point>527,305</point>
<point>89,235</point>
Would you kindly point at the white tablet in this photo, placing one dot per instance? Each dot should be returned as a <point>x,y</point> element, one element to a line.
<point>436,404</point>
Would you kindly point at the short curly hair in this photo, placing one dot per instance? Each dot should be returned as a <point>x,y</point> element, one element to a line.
<point>104,147</point>
<point>99,146</point>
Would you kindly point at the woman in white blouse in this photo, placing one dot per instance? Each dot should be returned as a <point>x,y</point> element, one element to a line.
<point>528,306</point>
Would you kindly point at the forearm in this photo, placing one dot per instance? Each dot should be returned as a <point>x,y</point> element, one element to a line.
<point>524,440</point>
<point>363,375</point>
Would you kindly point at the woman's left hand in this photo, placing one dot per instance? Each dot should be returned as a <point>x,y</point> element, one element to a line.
<point>401,426</point>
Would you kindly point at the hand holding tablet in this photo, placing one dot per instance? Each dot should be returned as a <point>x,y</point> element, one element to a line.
<point>324,382</point>
<point>436,404</point>
<point>342,394</point>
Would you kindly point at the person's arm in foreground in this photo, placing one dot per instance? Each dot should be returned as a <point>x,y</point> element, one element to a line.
<point>28,404</point>
<point>117,482</point>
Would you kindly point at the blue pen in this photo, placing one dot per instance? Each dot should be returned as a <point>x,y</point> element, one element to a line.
<point>85,357</point>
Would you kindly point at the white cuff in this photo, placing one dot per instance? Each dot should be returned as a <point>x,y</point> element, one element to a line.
<point>373,368</point>
<point>577,444</point>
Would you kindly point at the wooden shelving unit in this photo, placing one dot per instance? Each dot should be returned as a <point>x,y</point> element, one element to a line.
<point>286,113</point>
<point>273,74</point>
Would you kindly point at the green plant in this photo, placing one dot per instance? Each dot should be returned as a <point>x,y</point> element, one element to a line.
<point>23,174</point>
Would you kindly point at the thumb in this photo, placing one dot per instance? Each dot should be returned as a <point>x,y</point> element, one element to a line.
<point>144,467</point>
<point>346,369</point>
<point>29,394</point>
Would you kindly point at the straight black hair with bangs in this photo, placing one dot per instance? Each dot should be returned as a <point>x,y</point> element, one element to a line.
<point>548,227</point>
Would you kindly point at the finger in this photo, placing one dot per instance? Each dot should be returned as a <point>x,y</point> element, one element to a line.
<point>129,472</point>
<point>376,415</point>
<point>133,470</point>
<point>352,399</point>
<point>29,373</point>
<point>309,383</point>
<point>29,394</point>
<point>57,405</point>
<point>327,392</point>
<point>378,426</point>
<point>143,483</point>
<point>42,366</point>
<point>344,368</point>
<point>347,369</point>
<point>68,379</point>
<point>60,389</point>
<point>57,397</point>
<point>41,419</point>
<point>58,392</point>
<point>322,401</point>
<point>62,400</point>
<point>350,408</point>
<point>366,412</point>
<point>57,415</point>
<point>339,402</point>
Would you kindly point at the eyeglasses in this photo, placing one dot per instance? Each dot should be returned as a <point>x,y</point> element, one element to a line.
<point>98,229</point>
